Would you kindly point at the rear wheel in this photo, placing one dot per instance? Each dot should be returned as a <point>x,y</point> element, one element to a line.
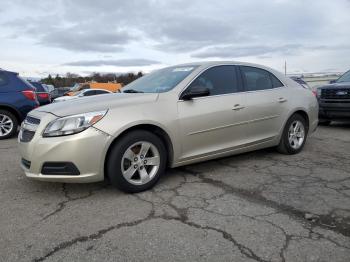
<point>8,124</point>
<point>136,161</point>
<point>294,135</point>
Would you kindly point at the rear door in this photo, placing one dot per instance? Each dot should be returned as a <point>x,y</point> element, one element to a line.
<point>266,104</point>
<point>212,124</point>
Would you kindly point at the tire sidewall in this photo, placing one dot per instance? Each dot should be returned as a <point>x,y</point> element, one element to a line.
<point>14,122</point>
<point>113,165</point>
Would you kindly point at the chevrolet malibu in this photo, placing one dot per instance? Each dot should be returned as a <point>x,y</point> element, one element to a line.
<point>172,117</point>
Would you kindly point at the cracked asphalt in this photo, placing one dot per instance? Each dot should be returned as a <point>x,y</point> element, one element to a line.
<point>259,206</point>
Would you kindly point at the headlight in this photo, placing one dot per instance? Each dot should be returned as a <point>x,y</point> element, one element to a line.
<point>72,124</point>
<point>318,92</point>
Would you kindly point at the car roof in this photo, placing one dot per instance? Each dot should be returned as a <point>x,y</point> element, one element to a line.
<point>3,70</point>
<point>206,64</point>
<point>213,63</point>
<point>96,89</point>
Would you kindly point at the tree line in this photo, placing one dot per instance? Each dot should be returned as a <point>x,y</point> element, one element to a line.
<point>70,79</point>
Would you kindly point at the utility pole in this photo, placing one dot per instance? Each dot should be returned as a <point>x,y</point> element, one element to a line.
<point>285,67</point>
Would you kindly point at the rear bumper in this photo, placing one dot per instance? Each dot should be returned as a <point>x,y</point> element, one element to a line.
<point>336,111</point>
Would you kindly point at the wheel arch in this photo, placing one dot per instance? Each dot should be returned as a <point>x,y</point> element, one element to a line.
<point>304,114</point>
<point>153,128</point>
<point>300,111</point>
<point>12,110</point>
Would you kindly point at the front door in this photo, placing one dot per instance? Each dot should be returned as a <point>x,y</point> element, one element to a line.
<point>213,124</point>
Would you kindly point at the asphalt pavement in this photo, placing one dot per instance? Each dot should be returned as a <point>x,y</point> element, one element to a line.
<point>259,206</point>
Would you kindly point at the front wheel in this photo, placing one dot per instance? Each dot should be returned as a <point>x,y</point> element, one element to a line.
<point>294,135</point>
<point>136,161</point>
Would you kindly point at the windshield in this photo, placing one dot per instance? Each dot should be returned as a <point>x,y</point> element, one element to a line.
<point>344,78</point>
<point>159,81</point>
<point>75,87</point>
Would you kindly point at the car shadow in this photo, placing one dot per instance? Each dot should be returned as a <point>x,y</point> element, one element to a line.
<point>340,124</point>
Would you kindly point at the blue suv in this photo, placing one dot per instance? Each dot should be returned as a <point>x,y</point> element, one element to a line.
<point>17,98</point>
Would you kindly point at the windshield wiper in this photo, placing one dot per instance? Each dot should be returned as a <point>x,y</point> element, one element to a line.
<point>132,91</point>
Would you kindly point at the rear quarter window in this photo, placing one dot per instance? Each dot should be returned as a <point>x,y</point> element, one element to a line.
<point>275,81</point>
<point>25,82</point>
<point>3,79</point>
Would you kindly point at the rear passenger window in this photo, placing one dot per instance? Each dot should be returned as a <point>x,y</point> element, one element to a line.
<point>100,92</point>
<point>219,80</point>
<point>258,79</point>
<point>90,93</point>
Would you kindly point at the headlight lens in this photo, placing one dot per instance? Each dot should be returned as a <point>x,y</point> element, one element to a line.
<point>72,124</point>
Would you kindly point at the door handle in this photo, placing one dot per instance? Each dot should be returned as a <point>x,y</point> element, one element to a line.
<point>282,100</point>
<point>238,107</point>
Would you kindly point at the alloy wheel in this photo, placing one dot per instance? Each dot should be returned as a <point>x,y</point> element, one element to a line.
<point>140,163</point>
<point>296,134</point>
<point>6,125</point>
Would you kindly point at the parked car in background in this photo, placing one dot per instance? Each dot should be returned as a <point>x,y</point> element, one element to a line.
<point>58,92</point>
<point>42,93</point>
<point>110,86</point>
<point>334,100</point>
<point>49,88</point>
<point>17,98</point>
<point>172,117</point>
<point>83,93</point>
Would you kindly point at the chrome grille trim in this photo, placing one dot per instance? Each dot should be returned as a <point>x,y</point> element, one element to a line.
<point>28,129</point>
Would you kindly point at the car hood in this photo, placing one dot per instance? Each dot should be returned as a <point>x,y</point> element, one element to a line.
<point>337,85</point>
<point>96,103</point>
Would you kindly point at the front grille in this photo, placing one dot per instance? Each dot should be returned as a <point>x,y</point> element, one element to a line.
<point>26,135</point>
<point>32,120</point>
<point>335,93</point>
<point>28,129</point>
<point>26,163</point>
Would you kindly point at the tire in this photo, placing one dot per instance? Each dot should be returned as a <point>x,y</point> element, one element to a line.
<point>324,122</point>
<point>8,124</point>
<point>290,144</point>
<point>126,165</point>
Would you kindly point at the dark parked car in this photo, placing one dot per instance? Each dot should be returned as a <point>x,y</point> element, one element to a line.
<point>334,100</point>
<point>17,98</point>
<point>42,93</point>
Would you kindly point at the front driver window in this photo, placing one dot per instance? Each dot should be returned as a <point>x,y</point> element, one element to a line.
<point>219,80</point>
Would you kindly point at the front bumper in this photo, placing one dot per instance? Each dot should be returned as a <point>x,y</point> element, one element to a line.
<point>336,111</point>
<point>86,150</point>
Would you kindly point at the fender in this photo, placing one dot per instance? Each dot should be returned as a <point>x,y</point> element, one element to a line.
<point>17,112</point>
<point>130,125</point>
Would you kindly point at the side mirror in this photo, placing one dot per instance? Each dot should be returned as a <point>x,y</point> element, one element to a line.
<point>332,81</point>
<point>195,91</point>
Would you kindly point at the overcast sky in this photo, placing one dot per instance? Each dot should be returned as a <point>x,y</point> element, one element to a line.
<point>81,36</point>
